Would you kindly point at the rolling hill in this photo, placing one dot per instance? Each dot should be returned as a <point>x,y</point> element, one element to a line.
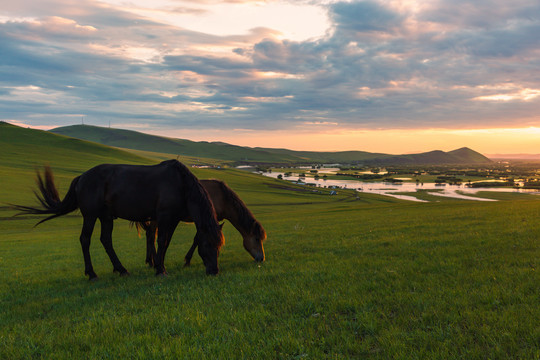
<point>246,155</point>
<point>139,141</point>
<point>24,150</point>
<point>23,147</point>
<point>437,157</point>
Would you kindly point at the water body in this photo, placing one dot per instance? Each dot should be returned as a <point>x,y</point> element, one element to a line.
<point>390,189</point>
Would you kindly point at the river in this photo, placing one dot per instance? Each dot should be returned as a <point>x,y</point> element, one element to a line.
<point>390,189</point>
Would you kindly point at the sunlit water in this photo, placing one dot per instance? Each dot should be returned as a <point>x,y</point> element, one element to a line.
<point>389,189</point>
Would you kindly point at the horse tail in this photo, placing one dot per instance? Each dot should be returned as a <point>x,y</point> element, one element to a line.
<point>141,226</point>
<point>49,198</point>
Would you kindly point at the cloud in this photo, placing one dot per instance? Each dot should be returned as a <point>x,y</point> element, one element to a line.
<point>364,16</point>
<point>381,64</point>
<point>480,14</point>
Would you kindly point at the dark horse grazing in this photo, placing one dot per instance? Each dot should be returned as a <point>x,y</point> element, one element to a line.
<point>165,193</point>
<point>228,206</point>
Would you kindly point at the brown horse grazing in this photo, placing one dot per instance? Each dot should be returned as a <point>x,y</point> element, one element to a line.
<point>228,206</point>
<point>165,193</point>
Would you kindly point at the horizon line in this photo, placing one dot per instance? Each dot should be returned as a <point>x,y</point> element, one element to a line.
<point>491,155</point>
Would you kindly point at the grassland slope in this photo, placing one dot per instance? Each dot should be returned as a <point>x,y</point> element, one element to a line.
<point>23,147</point>
<point>139,141</point>
<point>23,150</point>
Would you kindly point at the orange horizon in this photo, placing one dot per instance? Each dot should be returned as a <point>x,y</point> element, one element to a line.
<point>391,141</point>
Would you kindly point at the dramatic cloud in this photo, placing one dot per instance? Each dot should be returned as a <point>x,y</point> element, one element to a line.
<point>368,64</point>
<point>365,16</point>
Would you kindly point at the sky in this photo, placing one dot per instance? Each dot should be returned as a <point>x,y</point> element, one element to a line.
<point>392,76</point>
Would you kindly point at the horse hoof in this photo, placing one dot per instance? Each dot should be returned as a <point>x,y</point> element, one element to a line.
<point>94,278</point>
<point>120,271</point>
<point>125,273</point>
<point>187,264</point>
<point>162,275</point>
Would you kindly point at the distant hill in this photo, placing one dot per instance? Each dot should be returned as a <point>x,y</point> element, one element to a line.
<point>459,156</point>
<point>239,154</point>
<point>139,141</point>
<point>329,157</point>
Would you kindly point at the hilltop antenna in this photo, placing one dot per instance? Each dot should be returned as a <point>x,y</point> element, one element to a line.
<point>109,124</point>
<point>82,120</point>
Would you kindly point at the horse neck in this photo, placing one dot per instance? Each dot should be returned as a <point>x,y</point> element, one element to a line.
<point>199,206</point>
<point>201,214</point>
<point>242,221</point>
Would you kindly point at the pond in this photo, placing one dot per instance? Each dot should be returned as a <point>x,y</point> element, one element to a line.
<point>390,189</point>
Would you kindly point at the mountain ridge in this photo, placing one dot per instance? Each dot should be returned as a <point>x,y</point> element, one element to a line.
<point>258,155</point>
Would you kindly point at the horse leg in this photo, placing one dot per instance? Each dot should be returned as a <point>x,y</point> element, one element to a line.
<point>106,241</point>
<point>189,255</point>
<point>86,236</point>
<point>151,244</point>
<point>166,229</point>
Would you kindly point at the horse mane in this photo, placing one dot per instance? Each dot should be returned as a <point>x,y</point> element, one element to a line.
<point>197,194</point>
<point>245,216</point>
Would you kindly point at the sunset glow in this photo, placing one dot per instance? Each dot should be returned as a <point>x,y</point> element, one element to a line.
<point>487,141</point>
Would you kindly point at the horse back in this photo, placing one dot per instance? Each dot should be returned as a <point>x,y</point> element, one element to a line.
<point>132,192</point>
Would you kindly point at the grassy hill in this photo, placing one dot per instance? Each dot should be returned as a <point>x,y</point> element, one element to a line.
<point>23,150</point>
<point>343,157</point>
<point>135,140</point>
<point>238,154</point>
<point>28,147</point>
<point>469,155</point>
<point>437,157</point>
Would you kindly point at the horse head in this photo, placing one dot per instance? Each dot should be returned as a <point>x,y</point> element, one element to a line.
<point>253,241</point>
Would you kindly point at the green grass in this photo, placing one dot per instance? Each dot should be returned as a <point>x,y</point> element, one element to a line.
<point>345,278</point>
<point>427,195</point>
<point>23,150</point>
<point>498,195</point>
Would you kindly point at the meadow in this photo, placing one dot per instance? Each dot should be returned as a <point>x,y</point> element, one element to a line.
<point>350,276</point>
